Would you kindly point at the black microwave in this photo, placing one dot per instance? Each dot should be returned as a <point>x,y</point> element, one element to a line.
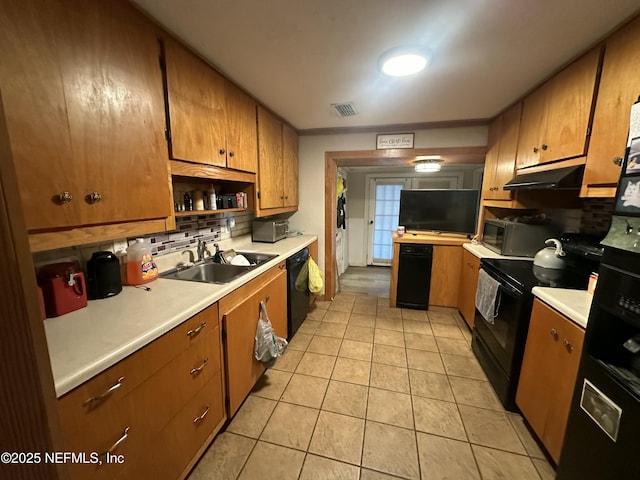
<point>515,239</point>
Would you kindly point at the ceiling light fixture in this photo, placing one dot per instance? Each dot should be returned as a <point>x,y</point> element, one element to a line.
<point>429,164</point>
<point>402,61</point>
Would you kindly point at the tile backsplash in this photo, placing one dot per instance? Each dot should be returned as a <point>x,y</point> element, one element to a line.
<point>596,215</point>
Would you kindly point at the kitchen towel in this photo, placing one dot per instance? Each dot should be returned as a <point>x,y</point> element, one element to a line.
<point>487,296</point>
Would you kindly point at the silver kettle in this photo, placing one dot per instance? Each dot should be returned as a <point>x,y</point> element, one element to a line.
<point>550,257</point>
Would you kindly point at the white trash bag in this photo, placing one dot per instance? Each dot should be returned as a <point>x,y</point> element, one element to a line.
<point>268,346</point>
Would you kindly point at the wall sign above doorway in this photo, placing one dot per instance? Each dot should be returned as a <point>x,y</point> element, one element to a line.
<point>395,140</point>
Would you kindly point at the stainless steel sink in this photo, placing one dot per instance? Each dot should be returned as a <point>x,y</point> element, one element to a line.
<point>208,272</point>
<point>256,258</point>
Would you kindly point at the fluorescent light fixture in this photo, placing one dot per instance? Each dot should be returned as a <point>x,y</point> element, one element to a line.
<point>402,61</point>
<point>428,164</point>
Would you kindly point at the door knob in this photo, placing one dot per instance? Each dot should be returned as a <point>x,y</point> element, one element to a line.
<point>535,149</point>
<point>93,197</point>
<point>545,146</point>
<point>231,154</point>
<point>221,151</point>
<point>62,198</point>
<point>554,332</point>
<point>617,161</point>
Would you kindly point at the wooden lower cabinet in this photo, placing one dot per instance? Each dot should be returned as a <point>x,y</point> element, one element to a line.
<point>549,371</point>
<point>136,404</point>
<point>468,285</point>
<point>445,275</point>
<point>239,313</point>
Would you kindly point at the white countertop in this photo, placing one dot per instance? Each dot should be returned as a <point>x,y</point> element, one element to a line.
<point>574,304</point>
<point>481,251</point>
<point>88,341</point>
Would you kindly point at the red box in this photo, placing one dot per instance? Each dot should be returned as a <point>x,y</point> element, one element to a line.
<point>63,288</point>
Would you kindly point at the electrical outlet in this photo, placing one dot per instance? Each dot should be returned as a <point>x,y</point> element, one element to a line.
<point>120,246</point>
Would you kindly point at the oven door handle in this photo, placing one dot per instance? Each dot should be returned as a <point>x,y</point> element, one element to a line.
<point>509,290</point>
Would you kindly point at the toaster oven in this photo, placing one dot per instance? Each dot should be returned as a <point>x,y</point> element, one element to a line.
<point>269,231</point>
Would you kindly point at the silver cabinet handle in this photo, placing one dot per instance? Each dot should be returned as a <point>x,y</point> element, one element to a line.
<point>201,417</point>
<point>124,436</point>
<point>196,370</point>
<point>567,344</point>
<point>196,331</point>
<point>93,401</point>
<point>554,332</point>
<point>93,197</point>
<point>62,198</point>
<point>617,161</point>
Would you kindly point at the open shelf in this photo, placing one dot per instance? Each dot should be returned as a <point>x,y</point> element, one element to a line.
<point>189,213</point>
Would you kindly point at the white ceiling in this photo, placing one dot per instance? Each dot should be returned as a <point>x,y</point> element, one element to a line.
<point>299,56</point>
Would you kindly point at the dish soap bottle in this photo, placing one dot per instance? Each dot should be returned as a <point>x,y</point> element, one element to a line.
<point>140,265</point>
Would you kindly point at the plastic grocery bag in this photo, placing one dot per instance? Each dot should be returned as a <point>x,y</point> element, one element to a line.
<point>302,280</point>
<point>315,277</point>
<point>268,346</point>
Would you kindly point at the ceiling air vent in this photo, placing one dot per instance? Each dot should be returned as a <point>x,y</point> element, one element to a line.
<point>345,109</point>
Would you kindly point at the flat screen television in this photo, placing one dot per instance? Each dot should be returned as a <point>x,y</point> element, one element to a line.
<point>441,211</point>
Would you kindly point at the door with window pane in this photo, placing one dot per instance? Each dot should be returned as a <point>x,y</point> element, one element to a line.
<point>384,207</point>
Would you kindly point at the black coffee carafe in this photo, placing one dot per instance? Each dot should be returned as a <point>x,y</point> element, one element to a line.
<point>103,275</point>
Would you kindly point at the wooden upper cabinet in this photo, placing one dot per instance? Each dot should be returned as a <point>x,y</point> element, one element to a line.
<point>242,135</point>
<point>501,155</point>
<point>195,94</point>
<point>556,117</point>
<point>278,165</point>
<point>619,89</point>
<point>83,96</point>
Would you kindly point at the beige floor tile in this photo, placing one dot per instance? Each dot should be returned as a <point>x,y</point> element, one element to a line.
<point>351,371</point>
<point>388,407</point>
<point>389,337</point>
<point>490,428</point>
<point>305,390</point>
<point>430,385</point>
<point>289,360</point>
<point>366,299</point>
<point>360,334</point>
<point>364,309</point>
<point>417,341</point>
<point>445,458</point>
<point>454,346</point>
<point>345,298</point>
<point>466,333</point>
<point>362,319</point>
<point>322,304</point>
<point>290,426</point>
<point>389,355</point>
<point>385,310</point>
<point>426,361</point>
<point>438,417</point>
<point>346,398</point>
<point>545,470</point>
<point>339,437</point>
<point>324,345</point>
<point>356,350</point>
<point>389,323</point>
<point>309,326</point>
<point>337,316</point>
<point>410,314</point>
<point>335,330</point>
<point>300,341</point>
<point>272,462</point>
<point>460,366</point>
<point>417,326</point>
<point>271,384</point>
<point>319,468</point>
<point>390,449</point>
<point>345,307</point>
<point>446,330</point>
<point>252,416</point>
<point>388,377</point>
<point>525,436</point>
<point>498,465</point>
<point>366,474</point>
<point>224,458</point>
<point>316,365</point>
<point>476,393</point>
<point>436,316</point>
<point>317,314</point>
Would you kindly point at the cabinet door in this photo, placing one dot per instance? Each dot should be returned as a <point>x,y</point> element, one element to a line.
<point>505,166</point>
<point>195,94</point>
<point>445,275</point>
<point>290,165</point>
<point>269,159</point>
<point>569,109</point>
<point>242,135</point>
<point>491,159</point>
<point>113,90</point>
<point>34,104</point>
<point>531,127</point>
<point>468,286</point>
<point>619,89</point>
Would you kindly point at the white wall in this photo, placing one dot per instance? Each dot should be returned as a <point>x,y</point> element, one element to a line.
<point>310,215</point>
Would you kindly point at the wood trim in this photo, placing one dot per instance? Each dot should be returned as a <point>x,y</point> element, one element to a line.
<point>28,399</point>
<point>545,167</point>
<point>473,122</point>
<point>393,292</point>
<point>588,191</point>
<point>187,169</point>
<point>98,233</point>
<point>330,265</point>
<point>275,211</point>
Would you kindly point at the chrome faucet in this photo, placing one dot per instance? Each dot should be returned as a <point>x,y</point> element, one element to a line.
<point>202,249</point>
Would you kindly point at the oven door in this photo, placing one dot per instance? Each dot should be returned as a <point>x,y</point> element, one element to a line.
<point>504,335</point>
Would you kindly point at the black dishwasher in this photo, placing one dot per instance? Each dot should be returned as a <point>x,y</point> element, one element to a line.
<point>297,298</point>
<point>414,276</point>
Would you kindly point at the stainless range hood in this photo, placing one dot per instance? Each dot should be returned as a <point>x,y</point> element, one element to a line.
<point>559,179</point>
